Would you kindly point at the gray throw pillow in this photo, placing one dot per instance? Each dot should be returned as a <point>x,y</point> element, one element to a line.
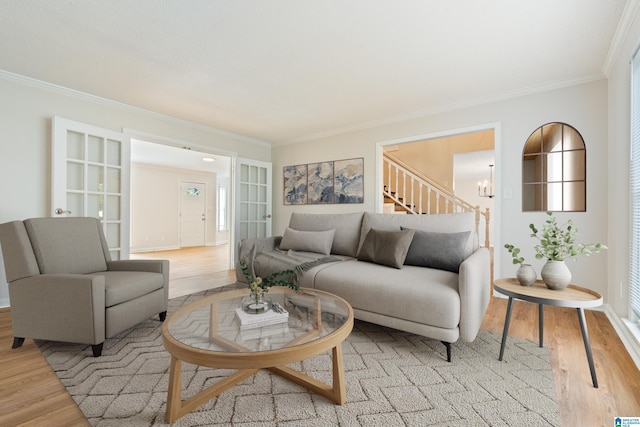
<point>386,247</point>
<point>308,241</point>
<point>444,251</point>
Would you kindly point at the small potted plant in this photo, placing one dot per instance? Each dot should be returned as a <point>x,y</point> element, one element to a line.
<point>557,242</point>
<point>258,286</point>
<point>526,275</point>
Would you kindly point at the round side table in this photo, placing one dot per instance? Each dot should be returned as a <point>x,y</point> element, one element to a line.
<point>572,296</point>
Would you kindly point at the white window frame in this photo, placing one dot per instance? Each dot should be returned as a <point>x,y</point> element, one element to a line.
<point>223,224</point>
<point>634,193</point>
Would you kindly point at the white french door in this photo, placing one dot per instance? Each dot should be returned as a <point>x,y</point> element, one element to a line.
<point>90,177</point>
<point>253,183</point>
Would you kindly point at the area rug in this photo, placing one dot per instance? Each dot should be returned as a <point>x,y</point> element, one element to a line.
<point>393,378</point>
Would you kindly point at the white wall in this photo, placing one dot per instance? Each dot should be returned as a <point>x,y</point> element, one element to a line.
<point>26,110</point>
<point>155,207</point>
<point>583,106</point>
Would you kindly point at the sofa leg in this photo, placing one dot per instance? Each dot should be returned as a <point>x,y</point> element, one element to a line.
<point>448,345</point>
<point>17,342</point>
<point>97,349</point>
<point>163,316</point>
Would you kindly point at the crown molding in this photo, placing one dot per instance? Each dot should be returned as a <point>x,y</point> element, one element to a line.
<point>65,91</point>
<point>629,14</point>
<point>445,108</point>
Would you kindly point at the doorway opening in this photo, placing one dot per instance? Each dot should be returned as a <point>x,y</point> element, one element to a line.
<point>452,163</point>
<point>175,212</point>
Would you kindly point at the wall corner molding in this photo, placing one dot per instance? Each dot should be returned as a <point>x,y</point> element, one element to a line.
<point>72,93</point>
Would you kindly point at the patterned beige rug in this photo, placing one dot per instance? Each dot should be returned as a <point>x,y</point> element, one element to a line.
<point>393,378</point>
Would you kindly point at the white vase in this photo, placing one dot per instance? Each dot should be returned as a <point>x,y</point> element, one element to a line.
<point>526,275</point>
<point>556,275</point>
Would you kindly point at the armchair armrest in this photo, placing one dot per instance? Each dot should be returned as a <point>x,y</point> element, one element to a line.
<point>474,286</point>
<point>59,307</point>
<point>248,248</point>
<point>147,265</point>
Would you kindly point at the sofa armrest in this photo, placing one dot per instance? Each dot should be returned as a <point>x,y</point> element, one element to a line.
<point>248,248</point>
<point>59,307</point>
<point>474,286</point>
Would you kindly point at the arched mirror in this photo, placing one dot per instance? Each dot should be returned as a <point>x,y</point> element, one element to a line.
<point>554,170</point>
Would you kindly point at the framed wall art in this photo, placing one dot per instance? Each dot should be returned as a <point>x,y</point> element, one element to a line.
<point>295,185</point>
<point>336,181</point>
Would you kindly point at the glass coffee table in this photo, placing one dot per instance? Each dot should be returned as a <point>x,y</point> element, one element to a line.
<point>207,333</point>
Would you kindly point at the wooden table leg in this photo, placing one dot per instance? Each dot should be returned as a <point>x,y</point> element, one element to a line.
<point>505,332</point>
<point>339,387</point>
<point>587,346</point>
<point>174,394</point>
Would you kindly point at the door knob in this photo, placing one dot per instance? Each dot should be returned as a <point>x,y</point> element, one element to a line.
<point>59,211</point>
<point>267,216</point>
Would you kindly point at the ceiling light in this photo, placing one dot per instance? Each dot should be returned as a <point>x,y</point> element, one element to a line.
<point>208,159</point>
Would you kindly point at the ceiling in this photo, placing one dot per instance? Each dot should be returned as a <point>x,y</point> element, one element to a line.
<point>162,155</point>
<point>284,71</point>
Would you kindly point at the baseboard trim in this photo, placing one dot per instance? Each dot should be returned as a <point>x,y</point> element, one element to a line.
<point>629,340</point>
<point>153,249</point>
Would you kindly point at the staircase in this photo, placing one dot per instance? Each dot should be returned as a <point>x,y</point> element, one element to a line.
<point>410,192</point>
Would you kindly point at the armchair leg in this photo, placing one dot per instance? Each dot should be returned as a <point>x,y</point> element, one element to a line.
<point>163,316</point>
<point>448,345</point>
<point>17,342</point>
<point>97,349</point>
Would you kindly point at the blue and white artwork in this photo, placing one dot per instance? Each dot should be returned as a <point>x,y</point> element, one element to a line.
<point>320,183</point>
<point>337,181</point>
<point>349,181</point>
<point>295,185</point>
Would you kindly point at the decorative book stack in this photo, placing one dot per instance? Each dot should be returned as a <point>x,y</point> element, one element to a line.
<point>248,321</point>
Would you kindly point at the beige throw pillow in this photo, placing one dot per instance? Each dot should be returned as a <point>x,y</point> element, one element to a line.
<point>308,241</point>
<point>386,247</point>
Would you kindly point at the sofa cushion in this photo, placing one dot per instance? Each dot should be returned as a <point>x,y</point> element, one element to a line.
<point>442,223</point>
<point>319,242</point>
<point>386,247</point>
<point>122,286</point>
<point>417,294</point>
<point>444,251</point>
<point>347,229</point>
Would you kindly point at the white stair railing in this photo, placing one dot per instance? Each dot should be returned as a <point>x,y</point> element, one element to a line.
<point>417,194</point>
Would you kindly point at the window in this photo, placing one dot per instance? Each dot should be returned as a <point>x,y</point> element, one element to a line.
<point>222,208</point>
<point>634,186</point>
<point>554,174</point>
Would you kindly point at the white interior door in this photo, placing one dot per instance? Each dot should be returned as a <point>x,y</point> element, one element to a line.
<point>253,187</point>
<point>192,213</point>
<point>90,177</point>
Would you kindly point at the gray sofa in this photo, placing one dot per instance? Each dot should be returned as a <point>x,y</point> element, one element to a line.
<point>64,286</point>
<point>424,274</point>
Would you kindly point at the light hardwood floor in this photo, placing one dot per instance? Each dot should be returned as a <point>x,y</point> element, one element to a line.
<point>31,394</point>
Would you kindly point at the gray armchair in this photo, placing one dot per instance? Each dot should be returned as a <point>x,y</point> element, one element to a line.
<point>63,285</point>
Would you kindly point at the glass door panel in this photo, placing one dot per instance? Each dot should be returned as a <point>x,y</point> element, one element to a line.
<point>90,178</point>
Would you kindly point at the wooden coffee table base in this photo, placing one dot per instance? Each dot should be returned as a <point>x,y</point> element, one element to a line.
<point>176,407</point>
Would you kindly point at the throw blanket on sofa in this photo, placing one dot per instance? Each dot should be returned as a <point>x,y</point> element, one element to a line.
<point>267,263</point>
